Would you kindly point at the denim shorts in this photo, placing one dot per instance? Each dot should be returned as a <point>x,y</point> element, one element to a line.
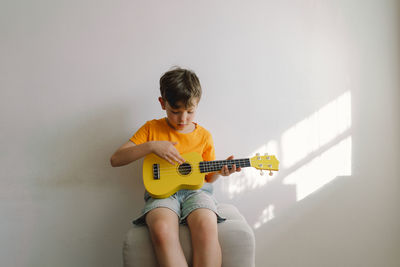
<point>182,203</point>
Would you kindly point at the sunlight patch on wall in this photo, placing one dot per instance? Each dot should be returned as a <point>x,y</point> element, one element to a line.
<point>321,147</point>
<point>315,151</point>
<point>312,152</point>
<point>266,215</point>
<point>322,169</point>
<point>322,127</point>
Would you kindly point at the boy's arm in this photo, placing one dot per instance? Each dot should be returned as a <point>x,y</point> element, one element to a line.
<point>130,152</point>
<point>212,177</point>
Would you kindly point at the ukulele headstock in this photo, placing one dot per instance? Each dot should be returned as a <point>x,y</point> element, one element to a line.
<point>266,162</point>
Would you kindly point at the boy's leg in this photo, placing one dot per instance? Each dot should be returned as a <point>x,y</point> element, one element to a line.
<point>163,225</point>
<point>204,232</point>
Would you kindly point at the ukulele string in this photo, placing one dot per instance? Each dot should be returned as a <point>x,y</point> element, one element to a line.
<point>205,167</point>
<point>212,164</point>
<point>238,162</point>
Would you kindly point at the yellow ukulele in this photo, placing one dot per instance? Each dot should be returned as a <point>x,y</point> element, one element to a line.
<point>162,179</point>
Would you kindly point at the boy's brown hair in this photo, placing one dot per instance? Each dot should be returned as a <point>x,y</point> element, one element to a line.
<point>180,87</point>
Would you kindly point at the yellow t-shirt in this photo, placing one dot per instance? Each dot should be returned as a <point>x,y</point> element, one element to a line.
<point>199,140</point>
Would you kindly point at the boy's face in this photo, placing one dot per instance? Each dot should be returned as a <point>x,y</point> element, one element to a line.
<point>180,118</point>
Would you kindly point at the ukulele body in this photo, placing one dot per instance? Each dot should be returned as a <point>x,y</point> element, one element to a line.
<point>162,179</point>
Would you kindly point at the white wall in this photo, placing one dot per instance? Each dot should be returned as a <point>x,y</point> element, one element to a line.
<point>314,82</point>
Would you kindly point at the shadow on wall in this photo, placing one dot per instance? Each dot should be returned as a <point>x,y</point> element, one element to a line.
<point>312,153</point>
<point>78,190</point>
<point>80,147</point>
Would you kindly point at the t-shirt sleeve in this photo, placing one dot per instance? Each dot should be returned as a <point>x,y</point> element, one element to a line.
<point>142,135</point>
<point>209,151</point>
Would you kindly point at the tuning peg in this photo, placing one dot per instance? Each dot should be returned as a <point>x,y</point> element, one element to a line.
<point>261,173</point>
<point>270,173</point>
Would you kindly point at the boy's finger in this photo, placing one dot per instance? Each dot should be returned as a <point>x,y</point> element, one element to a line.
<point>178,159</point>
<point>176,156</point>
<point>170,161</point>
<point>233,168</point>
<point>226,170</point>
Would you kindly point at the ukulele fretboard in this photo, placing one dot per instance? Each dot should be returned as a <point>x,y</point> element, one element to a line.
<point>216,165</point>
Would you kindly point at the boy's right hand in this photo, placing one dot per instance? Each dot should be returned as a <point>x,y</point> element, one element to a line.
<point>167,151</point>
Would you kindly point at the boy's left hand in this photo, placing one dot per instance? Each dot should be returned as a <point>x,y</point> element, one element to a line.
<point>225,171</point>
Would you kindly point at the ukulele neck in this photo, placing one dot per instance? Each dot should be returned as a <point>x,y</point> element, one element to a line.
<point>216,165</point>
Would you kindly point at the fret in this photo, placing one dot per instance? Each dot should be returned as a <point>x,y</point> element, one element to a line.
<point>216,165</point>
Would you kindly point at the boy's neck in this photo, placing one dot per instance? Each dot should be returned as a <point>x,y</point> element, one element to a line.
<point>190,128</point>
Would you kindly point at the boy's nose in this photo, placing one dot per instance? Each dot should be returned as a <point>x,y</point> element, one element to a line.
<point>183,117</point>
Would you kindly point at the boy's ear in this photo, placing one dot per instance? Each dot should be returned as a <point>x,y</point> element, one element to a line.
<point>162,102</point>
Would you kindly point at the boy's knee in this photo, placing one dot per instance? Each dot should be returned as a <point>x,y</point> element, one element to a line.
<point>204,226</point>
<point>161,233</point>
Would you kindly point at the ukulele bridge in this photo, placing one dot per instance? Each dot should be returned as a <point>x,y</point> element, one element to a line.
<point>156,171</point>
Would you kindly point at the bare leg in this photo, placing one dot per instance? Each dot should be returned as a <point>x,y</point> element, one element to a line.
<point>204,233</point>
<point>164,232</point>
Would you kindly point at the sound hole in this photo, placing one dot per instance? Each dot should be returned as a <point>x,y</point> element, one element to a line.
<point>185,169</point>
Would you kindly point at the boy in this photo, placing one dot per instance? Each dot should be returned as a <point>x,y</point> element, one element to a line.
<point>169,138</point>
